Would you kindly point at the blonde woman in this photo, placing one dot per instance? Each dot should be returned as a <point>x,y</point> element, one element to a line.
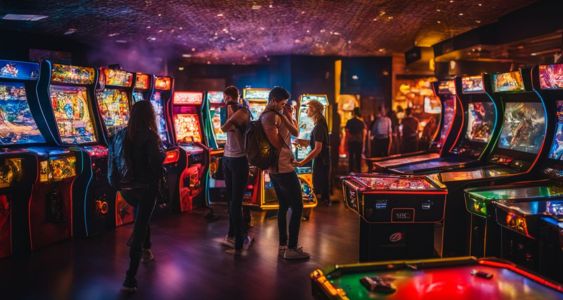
<point>319,154</point>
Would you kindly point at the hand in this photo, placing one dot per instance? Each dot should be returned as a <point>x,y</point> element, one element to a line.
<point>288,111</point>
<point>297,163</point>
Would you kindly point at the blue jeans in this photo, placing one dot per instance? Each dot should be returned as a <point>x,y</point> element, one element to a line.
<point>236,179</point>
<point>288,191</point>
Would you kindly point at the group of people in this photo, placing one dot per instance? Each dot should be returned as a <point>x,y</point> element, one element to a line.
<point>380,135</point>
<point>135,168</point>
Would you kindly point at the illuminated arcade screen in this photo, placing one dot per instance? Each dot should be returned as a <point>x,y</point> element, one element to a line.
<point>215,97</point>
<point>187,128</point>
<point>472,84</point>
<point>118,77</point>
<point>256,94</point>
<point>508,82</point>
<point>113,105</point>
<point>551,77</point>
<point>70,106</point>
<point>480,121</point>
<point>156,101</point>
<point>256,108</point>
<point>142,81</point>
<point>432,105</point>
<point>17,125</point>
<point>215,114</point>
<point>556,150</point>
<point>138,96</point>
<point>524,127</point>
<point>188,98</point>
<point>448,119</point>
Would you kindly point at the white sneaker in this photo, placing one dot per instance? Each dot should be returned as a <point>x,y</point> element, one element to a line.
<point>296,254</point>
<point>281,251</point>
<point>248,241</point>
<point>228,242</point>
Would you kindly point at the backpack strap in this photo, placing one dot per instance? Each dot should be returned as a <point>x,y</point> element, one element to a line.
<point>281,116</point>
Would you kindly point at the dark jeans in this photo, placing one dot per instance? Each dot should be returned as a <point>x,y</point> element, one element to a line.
<point>380,147</point>
<point>236,179</point>
<point>355,156</point>
<point>288,191</point>
<point>144,201</point>
<point>321,180</point>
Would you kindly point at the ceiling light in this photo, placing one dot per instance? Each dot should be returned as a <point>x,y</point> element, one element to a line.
<point>193,49</point>
<point>121,41</point>
<point>308,31</point>
<point>270,6</point>
<point>355,77</point>
<point>113,34</point>
<point>151,38</point>
<point>160,15</point>
<point>381,50</point>
<point>180,68</point>
<point>18,17</point>
<point>148,27</point>
<point>390,18</point>
<point>219,15</point>
<point>460,14</point>
<point>302,12</point>
<point>186,55</point>
<point>478,21</point>
<point>480,4</point>
<point>180,28</point>
<point>533,54</point>
<point>256,7</point>
<point>70,31</point>
<point>160,31</point>
<point>451,1</point>
<point>381,13</point>
<point>208,62</point>
<point>439,22</point>
<point>323,30</point>
<point>375,19</point>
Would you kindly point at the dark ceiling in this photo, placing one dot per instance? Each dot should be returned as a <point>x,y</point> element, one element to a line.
<point>247,31</point>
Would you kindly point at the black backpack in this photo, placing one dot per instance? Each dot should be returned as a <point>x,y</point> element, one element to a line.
<point>259,151</point>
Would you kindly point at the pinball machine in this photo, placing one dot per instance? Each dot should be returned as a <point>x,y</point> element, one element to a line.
<point>114,94</point>
<point>188,133</point>
<point>36,177</point>
<point>450,124</point>
<point>513,157</point>
<point>479,129</point>
<point>67,95</point>
<point>215,139</point>
<point>530,211</point>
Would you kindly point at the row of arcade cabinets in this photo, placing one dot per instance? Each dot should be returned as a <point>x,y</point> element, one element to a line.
<point>508,119</point>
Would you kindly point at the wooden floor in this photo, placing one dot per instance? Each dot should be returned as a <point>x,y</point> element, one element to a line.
<point>190,263</point>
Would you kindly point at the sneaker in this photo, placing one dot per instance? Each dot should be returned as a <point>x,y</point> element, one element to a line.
<point>129,285</point>
<point>148,256</point>
<point>281,251</point>
<point>228,242</point>
<point>295,254</point>
<point>248,241</point>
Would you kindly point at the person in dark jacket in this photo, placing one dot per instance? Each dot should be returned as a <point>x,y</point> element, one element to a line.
<point>320,153</point>
<point>135,158</point>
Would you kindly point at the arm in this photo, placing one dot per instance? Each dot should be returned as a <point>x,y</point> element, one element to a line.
<point>390,134</point>
<point>314,153</point>
<point>290,122</point>
<point>236,119</point>
<point>271,129</point>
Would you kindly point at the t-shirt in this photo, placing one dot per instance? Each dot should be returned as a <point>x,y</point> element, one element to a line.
<point>320,134</point>
<point>410,127</point>
<point>381,128</point>
<point>355,130</point>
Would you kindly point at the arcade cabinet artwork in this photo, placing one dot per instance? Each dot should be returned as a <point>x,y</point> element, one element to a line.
<point>35,179</point>
<point>69,112</point>
<point>257,99</point>
<point>143,87</point>
<point>113,97</point>
<point>186,108</point>
<point>216,139</point>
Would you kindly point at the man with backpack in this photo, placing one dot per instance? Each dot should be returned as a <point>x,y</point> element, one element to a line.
<point>235,168</point>
<point>278,125</point>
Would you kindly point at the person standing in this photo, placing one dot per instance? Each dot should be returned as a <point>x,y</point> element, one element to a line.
<point>319,154</point>
<point>355,137</point>
<point>235,168</point>
<point>410,132</point>
<point>135,168</point>
<point>381,134</point>
<point>278,124</point>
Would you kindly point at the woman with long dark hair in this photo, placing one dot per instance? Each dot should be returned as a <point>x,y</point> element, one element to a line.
<point>136,155</point>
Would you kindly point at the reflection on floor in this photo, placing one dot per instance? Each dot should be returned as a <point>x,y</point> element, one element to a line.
<point>190,264</point>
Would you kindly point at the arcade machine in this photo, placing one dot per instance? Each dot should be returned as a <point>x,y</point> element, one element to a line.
<point>480,129</point>
<point>514,156</point>
<point>257,99</point>
<point>67,100</point>
<point>186,119</point>
<point>531,210</point>
<point>113,97</point>
<point>143,87</point>
<point>449,127</point>
<point>35,178</point>
<point>215,140</point>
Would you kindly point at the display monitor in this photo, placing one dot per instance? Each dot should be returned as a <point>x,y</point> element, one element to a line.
<point>117,77</point>
<point>142,81</point>
<point>508,82</point>
<point>215,114</point>
<point>432,105</point>
<point>556,150</point>
<point>187,127</point>
<point>158,106</point>
<point>188,98</point>
<point>321,98</point>
<point>480,121</point>
<point>448,119</point>
<point>472,84</point>
<point>256,94</point>
<point>163,83</point>
<point>215,97</point>
<point>113,105</point>
<point>446,87</point>
<point>551,77</point>
<point>138,96</point>
<point>256,108</point>
<point>72,114</point>
<point>524,127</point>
<point>17,125</point>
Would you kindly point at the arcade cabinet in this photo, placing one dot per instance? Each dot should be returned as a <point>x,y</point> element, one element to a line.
<point>113,96</point>
<point>449,127</point>
<point>67,100</point>
<point>479,129</point>
<point>36,178</point>
<point>143,87</point>
<point>186,119</point>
